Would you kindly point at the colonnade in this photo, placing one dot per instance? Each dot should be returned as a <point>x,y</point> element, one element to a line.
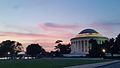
<point>82,45</point>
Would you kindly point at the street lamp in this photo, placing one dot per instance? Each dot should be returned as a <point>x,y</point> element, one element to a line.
<point>103,54</point>
<point>103,50</point>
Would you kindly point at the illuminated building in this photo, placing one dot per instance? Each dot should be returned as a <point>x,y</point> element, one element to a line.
<point>80,44</point>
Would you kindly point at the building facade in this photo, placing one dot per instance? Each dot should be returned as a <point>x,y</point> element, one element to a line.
<point>80,44</point>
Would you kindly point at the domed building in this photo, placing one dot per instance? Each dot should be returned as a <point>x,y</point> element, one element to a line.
<point>80,44</point>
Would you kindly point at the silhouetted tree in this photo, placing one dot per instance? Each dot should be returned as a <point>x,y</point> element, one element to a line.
<point>117,45</point>
<point>58,41</point>
<point>63,48</point>
<point>56,54</point>
<point>96,49</point>
<point>34,50</point>
<point>12,47</point>
<point>111,47</point>
<point>114,46</point>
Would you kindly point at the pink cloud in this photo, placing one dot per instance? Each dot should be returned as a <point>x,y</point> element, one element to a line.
<point>34,35</point>
<point>51,32</point>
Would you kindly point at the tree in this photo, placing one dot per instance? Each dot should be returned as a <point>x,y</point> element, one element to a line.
<point>34,50</point>
<point>58,41</point>
<point>96,49</point>
<point>111,46</point>
<point>114,46</point>
<point>56,54</point>
<point>117,43</point>
<point>9,46</point>
<point>63,48</point>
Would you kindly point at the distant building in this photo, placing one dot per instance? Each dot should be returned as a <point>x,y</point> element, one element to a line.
<point>80,44</point>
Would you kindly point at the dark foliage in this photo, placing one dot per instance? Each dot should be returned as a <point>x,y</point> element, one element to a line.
<point>58,41</point>
<point>96,49</point>
<point>34,50</point>
<point>117,44</point>
<point>63,48</point>
<point>10,47</point>
<point>111,46</point>
<point>56,54</point>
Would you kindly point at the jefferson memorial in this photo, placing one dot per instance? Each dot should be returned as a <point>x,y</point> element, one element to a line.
<point>80,44</point>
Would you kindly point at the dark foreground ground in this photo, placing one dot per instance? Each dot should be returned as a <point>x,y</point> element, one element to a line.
<point>45,63</point>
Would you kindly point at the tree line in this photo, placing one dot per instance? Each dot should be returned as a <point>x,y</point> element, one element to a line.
<point>111,46</point>
<point>12,49</point>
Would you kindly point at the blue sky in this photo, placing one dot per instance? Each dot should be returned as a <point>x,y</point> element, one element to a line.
<point>85,11</point>
<point>55,17</point>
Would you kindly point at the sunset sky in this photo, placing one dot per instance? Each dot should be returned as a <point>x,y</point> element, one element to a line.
<point>45,21</point>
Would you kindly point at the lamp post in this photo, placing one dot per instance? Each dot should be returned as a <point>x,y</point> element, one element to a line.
<point>103,52</point>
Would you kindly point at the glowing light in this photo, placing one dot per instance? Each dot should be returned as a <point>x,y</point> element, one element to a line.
<point>103,50</point>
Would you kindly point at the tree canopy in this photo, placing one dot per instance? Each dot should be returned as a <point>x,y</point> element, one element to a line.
<point>13,47</point>
<point>34,50</point>
<point>63,48</point>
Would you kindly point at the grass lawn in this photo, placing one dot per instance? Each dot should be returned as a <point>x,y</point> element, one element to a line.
<point>44,63</point>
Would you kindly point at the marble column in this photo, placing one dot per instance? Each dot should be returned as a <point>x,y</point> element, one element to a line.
<point>87,45</point>
<point>73,47</point>
<point>77,46</point>
<point>82,46</point>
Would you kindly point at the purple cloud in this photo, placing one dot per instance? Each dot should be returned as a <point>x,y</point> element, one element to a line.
<point>67,26</point>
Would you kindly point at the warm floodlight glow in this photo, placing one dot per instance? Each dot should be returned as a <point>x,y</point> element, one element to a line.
<point>103,50</point>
